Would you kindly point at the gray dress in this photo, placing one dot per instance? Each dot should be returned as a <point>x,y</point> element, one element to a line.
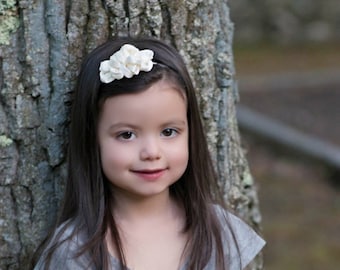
<point>248,241</point>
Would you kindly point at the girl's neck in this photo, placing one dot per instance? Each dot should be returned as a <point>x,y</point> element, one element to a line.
<point>140,209</point>
<point>151,231</point>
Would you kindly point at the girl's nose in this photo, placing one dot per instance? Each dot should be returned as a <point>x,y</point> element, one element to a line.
<point>150,149</point>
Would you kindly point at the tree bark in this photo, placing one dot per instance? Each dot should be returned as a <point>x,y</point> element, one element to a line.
<point>42,43</point>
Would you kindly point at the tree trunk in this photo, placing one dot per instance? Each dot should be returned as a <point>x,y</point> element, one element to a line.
<point>41,46</point>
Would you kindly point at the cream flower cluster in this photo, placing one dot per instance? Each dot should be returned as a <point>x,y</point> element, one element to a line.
<point>126,62</point>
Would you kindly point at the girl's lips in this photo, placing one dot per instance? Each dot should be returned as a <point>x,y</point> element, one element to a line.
<point>149,175</point>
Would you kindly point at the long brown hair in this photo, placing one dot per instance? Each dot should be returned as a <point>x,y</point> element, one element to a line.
<point>88,200</point>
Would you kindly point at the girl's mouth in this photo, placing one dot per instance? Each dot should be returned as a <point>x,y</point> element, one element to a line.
<point>149,175</point>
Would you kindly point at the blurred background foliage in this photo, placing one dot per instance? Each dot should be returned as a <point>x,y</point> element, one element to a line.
<point>287,56</point>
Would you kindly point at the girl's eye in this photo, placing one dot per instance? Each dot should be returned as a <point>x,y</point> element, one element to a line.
<point>126,135</point>
<point>169,132</point>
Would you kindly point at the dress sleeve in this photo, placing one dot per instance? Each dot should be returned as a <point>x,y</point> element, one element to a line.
<point>248,241</point>
<point>65,256</point>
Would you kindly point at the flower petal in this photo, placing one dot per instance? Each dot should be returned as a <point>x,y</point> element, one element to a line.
<point>126,62</point>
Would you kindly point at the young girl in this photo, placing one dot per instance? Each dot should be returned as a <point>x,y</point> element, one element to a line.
<point>141,190</point>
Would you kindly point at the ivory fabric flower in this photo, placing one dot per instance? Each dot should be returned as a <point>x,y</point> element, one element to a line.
<point>126,62</point>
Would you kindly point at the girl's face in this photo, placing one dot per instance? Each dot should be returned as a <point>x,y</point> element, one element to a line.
<point>143,140</point>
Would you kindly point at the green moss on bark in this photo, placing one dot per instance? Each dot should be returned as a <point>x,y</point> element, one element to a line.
<point>9,20</point>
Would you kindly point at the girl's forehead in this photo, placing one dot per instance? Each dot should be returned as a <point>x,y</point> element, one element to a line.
<point>160,97</point>
<point>160,85</point>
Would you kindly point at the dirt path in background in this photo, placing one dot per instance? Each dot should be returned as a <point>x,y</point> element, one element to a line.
<point>300,209</point>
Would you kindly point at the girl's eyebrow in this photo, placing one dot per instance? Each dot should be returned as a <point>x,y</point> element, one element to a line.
<point>176,122</point>
<point>122,125</point>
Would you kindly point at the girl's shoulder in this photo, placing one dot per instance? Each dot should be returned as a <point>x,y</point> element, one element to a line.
<point>247,243</point>
<point>65,243</point>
